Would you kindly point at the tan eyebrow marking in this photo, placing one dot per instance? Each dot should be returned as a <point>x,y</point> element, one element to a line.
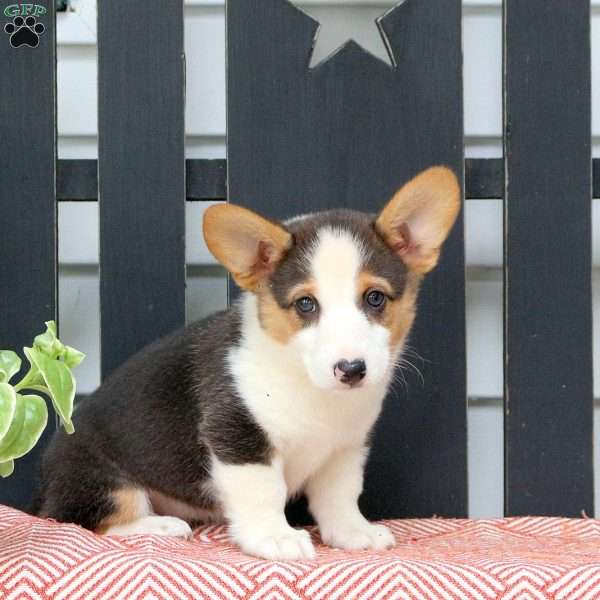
<point>306,288</point>
<point>367,280</point>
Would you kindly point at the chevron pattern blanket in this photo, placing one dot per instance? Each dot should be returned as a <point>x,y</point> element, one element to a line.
<point>518,558</point>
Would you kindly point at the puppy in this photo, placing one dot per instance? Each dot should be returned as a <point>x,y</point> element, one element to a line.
<point>234,415</point>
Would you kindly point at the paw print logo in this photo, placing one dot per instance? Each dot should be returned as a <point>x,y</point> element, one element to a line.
<point>24,32</point>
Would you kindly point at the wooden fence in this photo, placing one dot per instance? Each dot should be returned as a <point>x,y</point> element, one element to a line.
<point>346,133</point>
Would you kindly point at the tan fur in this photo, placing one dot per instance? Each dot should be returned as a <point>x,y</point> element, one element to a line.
<point>127,502</point>
<point>248,245</point>
<point>280,323</point>
<point>367,281</point>
<point>398,314</point>
<point>417,220</point>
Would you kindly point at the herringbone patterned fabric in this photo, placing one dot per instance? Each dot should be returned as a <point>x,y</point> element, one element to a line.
<point>520,559</point>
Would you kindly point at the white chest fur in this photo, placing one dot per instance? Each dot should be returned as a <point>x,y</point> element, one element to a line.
<point>305,425</point>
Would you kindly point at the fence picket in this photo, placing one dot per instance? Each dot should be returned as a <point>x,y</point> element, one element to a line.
<point>548,310</point>
<point>347,134</point>
<point>28,226</point>
<point>141,174</point>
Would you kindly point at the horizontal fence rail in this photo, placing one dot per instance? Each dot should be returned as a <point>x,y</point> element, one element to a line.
<point>77,179</point>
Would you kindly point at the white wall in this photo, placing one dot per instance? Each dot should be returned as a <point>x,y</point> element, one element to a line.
<point>205,51</point>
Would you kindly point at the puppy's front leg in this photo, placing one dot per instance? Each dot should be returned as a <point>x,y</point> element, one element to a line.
<point>253,497</point>
<point>333,500</point>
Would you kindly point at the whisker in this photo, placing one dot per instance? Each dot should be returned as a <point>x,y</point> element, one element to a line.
<point>404,362</point>
<point>411,351</point>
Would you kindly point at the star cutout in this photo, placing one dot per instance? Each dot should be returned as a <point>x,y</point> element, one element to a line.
<point>340,24</point>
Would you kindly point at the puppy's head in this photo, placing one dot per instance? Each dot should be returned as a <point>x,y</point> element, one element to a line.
<point>340,287</point>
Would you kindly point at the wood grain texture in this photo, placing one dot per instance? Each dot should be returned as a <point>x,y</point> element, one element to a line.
<point>141,174</point>
<point>347,134</point>
<point>548,310</point>
<point>28,230</point>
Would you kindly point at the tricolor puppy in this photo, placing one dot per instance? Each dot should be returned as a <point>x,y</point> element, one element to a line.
<point>234,415</point>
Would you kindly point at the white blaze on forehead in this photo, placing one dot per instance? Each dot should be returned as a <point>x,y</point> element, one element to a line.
<point>336,263</point>
<point>342,331</point>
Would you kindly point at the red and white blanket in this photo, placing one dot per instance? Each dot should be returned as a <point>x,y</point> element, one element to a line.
<point>519,558</point>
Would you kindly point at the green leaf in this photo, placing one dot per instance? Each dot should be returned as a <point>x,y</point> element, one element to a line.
<point>34,377</point>
<point>72,357</point>
<point>7,468</point>
<point>48,343</point>
<point>10,364</point>
<point>60,382</point>
<point>14,430</point>
<point>8,406</point>
<point>30,427</point>
<point>51,326</point>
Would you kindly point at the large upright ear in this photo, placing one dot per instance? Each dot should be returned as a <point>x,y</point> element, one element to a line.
<point>417,220</point>
<point>245,243</point>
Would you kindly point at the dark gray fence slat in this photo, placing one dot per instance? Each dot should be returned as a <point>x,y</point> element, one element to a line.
<point>548,311</point>
<point>206,179</point>
<point>141,174</point>
<point>77,180</point>
<point>28,261</point>
<point>348,133</point>
<point>484,178</point>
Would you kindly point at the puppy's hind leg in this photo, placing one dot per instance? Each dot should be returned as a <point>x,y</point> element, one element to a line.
<point>133,516</point>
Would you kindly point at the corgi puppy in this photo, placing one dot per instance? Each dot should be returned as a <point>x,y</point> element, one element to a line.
<point>234,415</point>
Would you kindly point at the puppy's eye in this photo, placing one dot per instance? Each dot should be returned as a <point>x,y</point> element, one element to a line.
<point>375,299</point>
<point>306,305</point>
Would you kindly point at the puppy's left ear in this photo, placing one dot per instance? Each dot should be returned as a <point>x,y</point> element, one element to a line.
<point>417,220</point>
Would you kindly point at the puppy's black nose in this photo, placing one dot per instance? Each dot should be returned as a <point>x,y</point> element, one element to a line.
<point>350,372</point>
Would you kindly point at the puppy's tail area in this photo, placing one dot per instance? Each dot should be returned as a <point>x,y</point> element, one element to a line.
<point>37,501</point>
<point>39,494</point>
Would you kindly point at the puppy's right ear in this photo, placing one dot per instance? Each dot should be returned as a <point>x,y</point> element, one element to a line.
<point>246,244</point>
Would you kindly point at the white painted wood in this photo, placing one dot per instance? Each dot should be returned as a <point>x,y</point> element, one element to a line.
<point>482,49</point>
<point>205,295</point>
<point>79,318</point>
<point>76,77</point>
<point>78,233</point>
<point>485,459</point>
<point>484,334</point>
<point>339,24</point>
<point>196,251</point>
<point>483,233</point>
<point>77,26</point>
<point>596,338</point>
<point>595,35</point>
<point>205,74</point>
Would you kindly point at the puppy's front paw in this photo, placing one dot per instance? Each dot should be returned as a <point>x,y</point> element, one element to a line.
<point>362,537</point>
<point>284,544</point>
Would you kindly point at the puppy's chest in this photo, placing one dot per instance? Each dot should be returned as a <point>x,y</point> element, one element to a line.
<point>306,429</point>
<point>303,459</point>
